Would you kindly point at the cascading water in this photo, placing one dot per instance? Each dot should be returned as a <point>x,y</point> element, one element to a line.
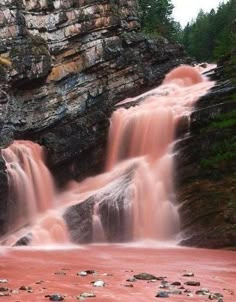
<point>32,194</point>
<point>30,183</point>
<point>138,206</point>
<point>147,132</point>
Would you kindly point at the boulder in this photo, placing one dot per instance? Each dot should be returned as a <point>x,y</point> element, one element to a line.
<point>113,210</point>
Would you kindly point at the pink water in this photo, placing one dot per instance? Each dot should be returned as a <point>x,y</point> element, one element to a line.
<point>141,139</point>
<point>49,272</point>
<point>31,185</point>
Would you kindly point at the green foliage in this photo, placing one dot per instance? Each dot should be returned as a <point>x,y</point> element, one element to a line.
<point>221,153</point>
<point>224,121</point>
<point>156,18</point>
<point>212,34</point>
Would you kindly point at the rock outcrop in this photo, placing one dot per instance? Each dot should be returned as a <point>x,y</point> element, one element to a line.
<point>105,216</point>
<point>206,165</point>
<point>63,65</point>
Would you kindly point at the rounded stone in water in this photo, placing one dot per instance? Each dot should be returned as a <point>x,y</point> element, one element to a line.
<point>87,295</point>
<point>99,283</point>
<point>188,274</point>
<point>145,276</point>
<point>82,274</point>
<point>56,297</point>
<point>176,283</point>
<point>192,283</point>
<point>162,295</point>
<point>203,292</point>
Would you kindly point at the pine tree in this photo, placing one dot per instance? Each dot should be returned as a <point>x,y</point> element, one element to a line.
<point>211,34</point>
<point>156,17</point>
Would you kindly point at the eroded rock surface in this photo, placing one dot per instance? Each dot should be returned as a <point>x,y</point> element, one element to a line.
<point>113,214</point>
<point>206,165</point>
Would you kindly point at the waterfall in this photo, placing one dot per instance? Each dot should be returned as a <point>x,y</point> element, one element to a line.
<point>134,198</point>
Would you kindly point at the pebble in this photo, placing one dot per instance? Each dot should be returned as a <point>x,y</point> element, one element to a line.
<point>175,292</point>
<point>176,283</point>
<point>162,295</point>
<point>4,294</point>
<point>14,291</point>
<point>99,283</point>
<point>165,286</point>
<point>215,296</point>
<point>55,297</point>
<point>4,289</point>
<point>3,281</point>
<point>193,283</point>
<point>90,272</point>
<point>203,292</point>
<point>27,288</point>
<point>188,274</point>
<point>86,295</point>
<point>145,276</point>
<point>82,274</point>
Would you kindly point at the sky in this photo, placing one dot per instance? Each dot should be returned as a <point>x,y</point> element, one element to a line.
<point>186,10</point>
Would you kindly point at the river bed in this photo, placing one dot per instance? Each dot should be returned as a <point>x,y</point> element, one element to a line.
<point>55,271</point>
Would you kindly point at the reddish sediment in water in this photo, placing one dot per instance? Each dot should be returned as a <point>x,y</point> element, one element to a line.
<point>215,270</point>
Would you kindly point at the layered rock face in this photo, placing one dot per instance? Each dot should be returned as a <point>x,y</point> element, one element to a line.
<point>206,165</point>
<point>63,65</point>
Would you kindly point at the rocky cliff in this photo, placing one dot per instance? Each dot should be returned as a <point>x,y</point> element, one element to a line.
<point>63,65</point>
<point>206,165</point>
